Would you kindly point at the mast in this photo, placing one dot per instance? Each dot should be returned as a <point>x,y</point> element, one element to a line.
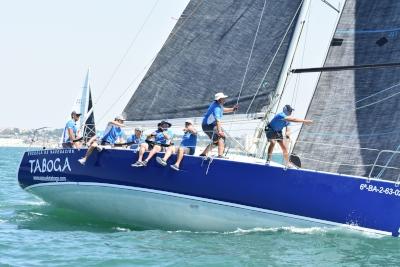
<point>304,50</point>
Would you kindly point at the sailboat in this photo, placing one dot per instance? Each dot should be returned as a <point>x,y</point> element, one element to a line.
<point>208,51</point>
<point>84,105</point>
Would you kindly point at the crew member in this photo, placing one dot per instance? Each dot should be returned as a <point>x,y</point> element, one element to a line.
<point>212,123</point>
<point>112,135</point>
<point>70,134</point>
<point>274,132</point>
<point>157,141</point>
<point>187,146</point>
<point>136,139</point>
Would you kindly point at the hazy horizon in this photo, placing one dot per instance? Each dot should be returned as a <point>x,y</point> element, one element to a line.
<point>47,47</point>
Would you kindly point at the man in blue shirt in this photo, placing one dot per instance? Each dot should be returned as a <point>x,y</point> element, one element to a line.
<point>187,146</point>
<point>212,124</point>
<point>112,135</point>
<point>274,131</point>
<point>136,139</point>
<point>155,142</point>
<point>70,134</point>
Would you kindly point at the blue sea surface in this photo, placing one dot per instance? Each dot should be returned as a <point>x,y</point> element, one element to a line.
<point>33,233</point>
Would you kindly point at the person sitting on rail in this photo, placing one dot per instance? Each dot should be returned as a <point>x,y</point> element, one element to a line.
<point>112,135</point>
<point>157,141</point>
<point>135,140</point>
<point>274,132</point>
<point>71,132</point>
<point>187,146</point>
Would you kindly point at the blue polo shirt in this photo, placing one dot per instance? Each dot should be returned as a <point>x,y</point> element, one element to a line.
<point>136,141</point>
<point>214,113</point>
<point>112,133</point>
<point>189,140</point>
<point>71,124</point>
<point>160,138</point>
<point>279,122</point>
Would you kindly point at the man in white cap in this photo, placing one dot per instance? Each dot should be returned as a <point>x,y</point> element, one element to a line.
<point>212,124</point>
<point>70,134</point>
<point>112,135</point>
<point>274,131</point>
<point>187,146</point>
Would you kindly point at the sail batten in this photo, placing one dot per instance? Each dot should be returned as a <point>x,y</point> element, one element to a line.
<point>208,51</point>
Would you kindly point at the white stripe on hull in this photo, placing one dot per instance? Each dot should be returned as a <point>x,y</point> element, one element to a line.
<point>155,209</point>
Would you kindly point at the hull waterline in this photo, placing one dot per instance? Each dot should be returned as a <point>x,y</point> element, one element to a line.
<point>221,195</point>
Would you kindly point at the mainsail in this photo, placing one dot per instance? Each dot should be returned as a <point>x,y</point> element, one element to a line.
<point>356,112</point>
<point>209,51</point>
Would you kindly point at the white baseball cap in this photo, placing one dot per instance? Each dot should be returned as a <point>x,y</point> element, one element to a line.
<point>189,121</point>
<point>218,96</point>
<point>120,117</point>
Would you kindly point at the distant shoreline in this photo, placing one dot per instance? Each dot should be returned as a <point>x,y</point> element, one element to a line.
<point>15,142</point>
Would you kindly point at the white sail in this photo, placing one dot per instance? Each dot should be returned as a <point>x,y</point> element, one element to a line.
<point>82,100</point>
<point>83,104</point>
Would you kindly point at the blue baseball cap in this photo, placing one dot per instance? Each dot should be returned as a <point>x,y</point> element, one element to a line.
<point>287,109</point>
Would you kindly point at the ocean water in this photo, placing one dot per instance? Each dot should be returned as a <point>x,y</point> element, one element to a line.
<point>33,233</point>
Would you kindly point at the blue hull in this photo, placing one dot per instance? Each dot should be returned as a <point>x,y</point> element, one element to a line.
<point>315,196</point>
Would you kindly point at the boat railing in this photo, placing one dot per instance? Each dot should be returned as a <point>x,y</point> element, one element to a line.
<point>382,168</point>
<point>384,164</point>
<point>42,137</point>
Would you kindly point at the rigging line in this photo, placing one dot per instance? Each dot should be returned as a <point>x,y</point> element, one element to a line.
<point>384,90</point>
<point>336,163</point>
<point>376,102</point>
<point>173,33</point>
<point>367,105</point>
<point>325,59</point>
<point>126,90</point>
<point>339,146</point>
<point>296,87</point>
<point>388,162</point>
<point>184,21</point>
<point>152,59</point>
<point>349,135</point>
<point>395,131</point>
<point>250,56</point>
<point>273,58</point>
<point>251,52</point>
<point>127,51</point>
<point>330,5</point>
<point>288,77</point>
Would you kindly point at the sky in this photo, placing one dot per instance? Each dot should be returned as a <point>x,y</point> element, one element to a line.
<point>47,47</point>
